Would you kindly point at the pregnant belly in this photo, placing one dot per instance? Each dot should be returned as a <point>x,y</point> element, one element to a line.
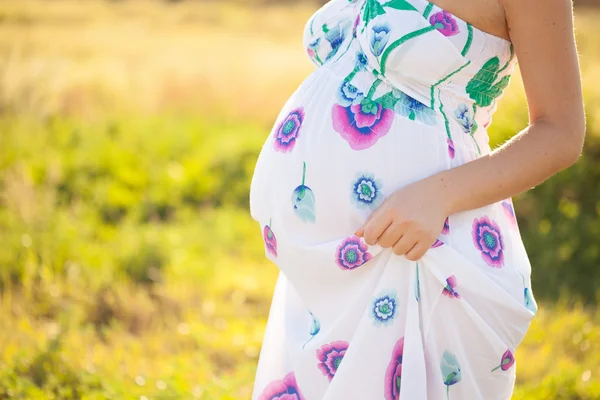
<point>327,164</point>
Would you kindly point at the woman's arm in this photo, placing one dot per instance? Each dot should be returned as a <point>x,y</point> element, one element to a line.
<point>542,34</point>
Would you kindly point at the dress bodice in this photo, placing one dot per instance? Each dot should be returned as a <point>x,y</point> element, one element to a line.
<point>427,59</point>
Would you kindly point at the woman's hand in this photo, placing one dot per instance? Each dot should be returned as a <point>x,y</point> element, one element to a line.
<point>409,220</point>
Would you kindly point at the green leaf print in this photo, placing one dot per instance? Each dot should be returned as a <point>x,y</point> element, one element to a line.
<point>372,9</point>
<point>388,100</point>
<point>497,89</point>
<point>301,193</point>
<point>483,88</point>
<point>368,106</point>
<point>400,5</point>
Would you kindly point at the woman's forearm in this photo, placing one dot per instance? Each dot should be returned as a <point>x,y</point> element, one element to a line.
<point>528,159</point>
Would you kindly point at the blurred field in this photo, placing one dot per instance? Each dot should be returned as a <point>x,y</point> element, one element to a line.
<point>129,265</point>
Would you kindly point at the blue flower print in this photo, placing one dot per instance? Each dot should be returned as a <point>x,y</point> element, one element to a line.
<point>383,308</point>
<point>450,369</point>
<point>366,191</point>
<point>303,200</point>
<point>413,109</point>
<point>313,50</point>
<point>380,38</point>
<point>464,117</point>
<point>315,328</point>
<point>335,36</point>
<point>529,301</point>
<point>349,94</point>
<point>417,284</point>
<point>361,60</point>
<point>315,44</point>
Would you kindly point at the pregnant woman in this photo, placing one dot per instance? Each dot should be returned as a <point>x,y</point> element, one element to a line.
<point>402,270</point>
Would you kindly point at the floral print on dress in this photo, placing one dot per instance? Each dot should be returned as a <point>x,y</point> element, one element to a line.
<point>361,60</point>
<point>303,200</point>
<point>437,243</point>
<point>506,362</point>
<point>362,125</point>
<point>349,94</point>
<point>528,299</point>
<point>366,191</point>
<point>446,227</point>
<point>413,109</point>
<point>444,22</point>
<point>285,389</point>
<point>464,117</point>
<point>380,37</point>
<point>451,149</point>
<point>509,211</point>
<point>383,308</point>
<point>287,132</point>
<point>417,283</point>
<point>451,373</point>
<point>330,357</point>
<point>488,239</point>
<point>335,36</point>
<point>352,253</point>
<point>356,22</point>
<point>450,289</point>
<point>312,51</point>
<point>393,373</point>
<point>315,328</point>
<point>484,87</point>
<point>270,240</point>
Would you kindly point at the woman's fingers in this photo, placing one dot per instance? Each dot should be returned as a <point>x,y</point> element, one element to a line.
<point>375,227</point>
<point>361,231</point>
<point>390,235</point>
<point>417,251</point>
<point>403,245</point>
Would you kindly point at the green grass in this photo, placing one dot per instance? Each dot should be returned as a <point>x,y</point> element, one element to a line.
<point>129,266</point>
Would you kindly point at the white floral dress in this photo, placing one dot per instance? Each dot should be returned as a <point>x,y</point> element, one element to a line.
<point>402,90</point>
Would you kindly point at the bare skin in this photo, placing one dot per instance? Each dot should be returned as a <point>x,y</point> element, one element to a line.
<point>410,220</point>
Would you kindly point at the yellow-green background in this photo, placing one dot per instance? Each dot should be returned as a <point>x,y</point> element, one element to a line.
<point>129,265</point>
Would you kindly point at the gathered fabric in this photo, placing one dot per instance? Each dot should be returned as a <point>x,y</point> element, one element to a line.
<point>402,90</point>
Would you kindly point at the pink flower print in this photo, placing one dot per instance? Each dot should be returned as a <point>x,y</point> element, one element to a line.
<point>270,240</point>
<point>510,212</point>
<point>330,357</point>
<point>393,374</point>
<point>287,132</point>
<point>356,21</point>
<point>446,228</point>
<point>352,253</point>
<point>437,243</point>
<point>449,290</point>
<point>285,389</point>
<point>451,150</point>
<point>361,125</point>
<point>444,22</point>
<point>488,239</point>
<point>507,361</point>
